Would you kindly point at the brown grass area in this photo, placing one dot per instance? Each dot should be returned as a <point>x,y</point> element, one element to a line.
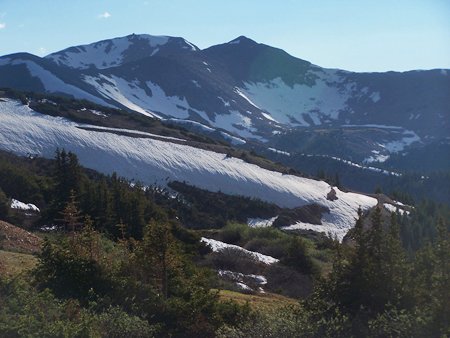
<point>260,301</point>
<point>14,263</point>
<point>15,239</point>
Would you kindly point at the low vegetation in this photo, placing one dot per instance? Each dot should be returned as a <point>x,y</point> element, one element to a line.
<point>123,264</point>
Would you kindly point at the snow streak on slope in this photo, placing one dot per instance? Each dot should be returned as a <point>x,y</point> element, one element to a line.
<point>150,101</point>
<point>151,161</point>
<point>53,84</point>
<point>236,123</point>
<point>121,91</point>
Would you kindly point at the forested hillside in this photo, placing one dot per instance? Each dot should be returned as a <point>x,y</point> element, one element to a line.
<point>119,259</point>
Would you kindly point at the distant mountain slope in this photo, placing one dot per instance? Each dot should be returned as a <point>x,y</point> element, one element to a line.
<point>251,89</point>
<point>153,161</point>
<point>254,95</point>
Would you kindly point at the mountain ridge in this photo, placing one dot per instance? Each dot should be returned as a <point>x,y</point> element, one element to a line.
<point>251,90</point>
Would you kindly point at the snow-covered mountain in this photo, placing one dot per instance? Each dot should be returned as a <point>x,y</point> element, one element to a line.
<point>247,88</point>
<point>24,131</point>
<point>244,91</point>
<point>119,51</point>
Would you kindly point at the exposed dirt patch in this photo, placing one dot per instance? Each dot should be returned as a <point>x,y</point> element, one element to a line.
<point>13,238</point>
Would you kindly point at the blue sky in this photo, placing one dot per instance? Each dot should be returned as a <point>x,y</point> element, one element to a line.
<point>364,35</point>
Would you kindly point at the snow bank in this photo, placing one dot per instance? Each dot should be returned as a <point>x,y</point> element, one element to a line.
<point>151,161</point>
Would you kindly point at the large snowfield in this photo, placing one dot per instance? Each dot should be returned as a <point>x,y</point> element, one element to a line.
<point>23,131</point>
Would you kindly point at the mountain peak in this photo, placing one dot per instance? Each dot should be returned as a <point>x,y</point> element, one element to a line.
<point>117,51</point>
<point>152,39</point>
<point>242,40</point>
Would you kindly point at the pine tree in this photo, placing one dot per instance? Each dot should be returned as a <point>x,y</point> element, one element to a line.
<point>68,179</point>
<point>4,205</point>
<point>71,215</point>
<point>440,287</point>
<point>88,240</point>
<point>158,256</point>
<point>298,257</point>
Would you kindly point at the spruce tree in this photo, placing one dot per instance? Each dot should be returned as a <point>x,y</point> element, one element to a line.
<point>5,205</point>
<point>71,216</point>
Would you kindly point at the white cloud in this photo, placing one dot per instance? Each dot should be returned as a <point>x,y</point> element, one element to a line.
<point>2,25</point>
<point>105,15</point>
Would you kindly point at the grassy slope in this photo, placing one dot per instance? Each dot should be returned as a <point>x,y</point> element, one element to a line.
<point>261,301</point>
<point>14,263</point>
<point>17,249</point>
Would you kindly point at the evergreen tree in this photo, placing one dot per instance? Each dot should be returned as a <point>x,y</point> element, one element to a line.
<point>5,205</point>
<point>297,256</point>
<point>367,279</point>
<point>68,179</point>
<point>158,254</point>
<point>71,216</point>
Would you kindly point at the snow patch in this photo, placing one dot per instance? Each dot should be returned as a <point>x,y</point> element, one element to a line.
<point>195,82</point>
<point>242,279</point>
<point>353,164</point>
<point>241,93</point>
<point>243,286</point>
<point>375,97</point>
<point>283,101</point>
<point>235,42</point>
<point>225,103</point>
<point>409,137</point>
<point>393,208</point>
<point>217,246</point>
<point>381,126</point>
<point>121,91</point>
<point>376,158</point>
<point>267,116</point>
<point>16,204</point>
<point>260,222</point>
<point>194,123</point>
<point>98,113</point>
<point>279,151</point>
<point>233,139</point>
<point>236,123</point>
